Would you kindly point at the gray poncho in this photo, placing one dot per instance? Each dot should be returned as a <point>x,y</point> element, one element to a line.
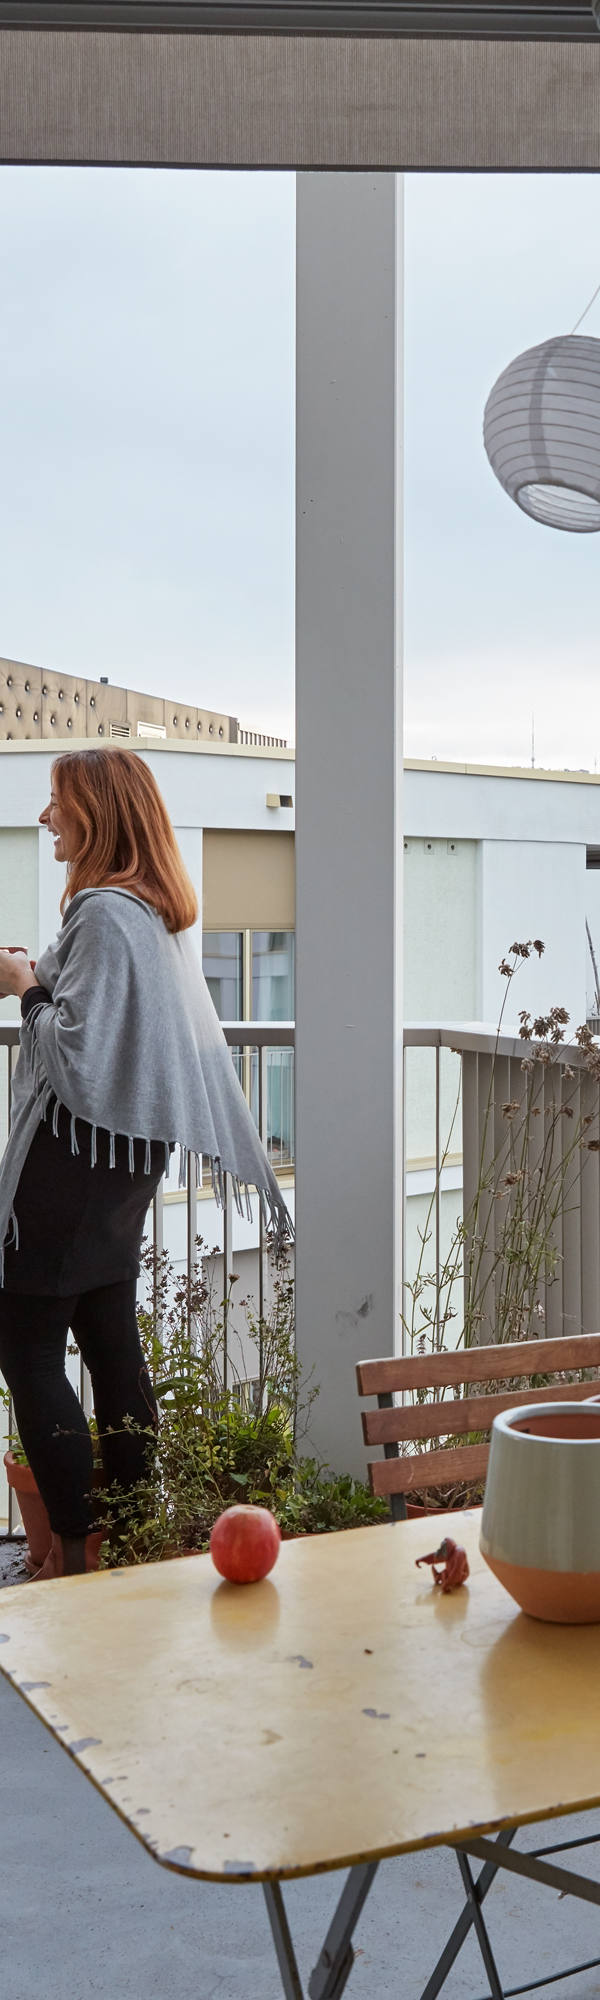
<point>130,1041</point>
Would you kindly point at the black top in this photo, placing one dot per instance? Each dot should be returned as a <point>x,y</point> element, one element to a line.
<point>80,1226</point>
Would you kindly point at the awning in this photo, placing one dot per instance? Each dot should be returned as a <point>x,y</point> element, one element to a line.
<point>473,20</point>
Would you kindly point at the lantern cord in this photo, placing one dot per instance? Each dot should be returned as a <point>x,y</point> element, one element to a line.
<point>585,312</point>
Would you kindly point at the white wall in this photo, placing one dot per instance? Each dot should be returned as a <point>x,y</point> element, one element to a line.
<point>530,831</point>
<point>18,896</point>
<point>466,802</point>
<point>440,973</point>
<point>440,929</point>
<point>532,889</point>
<point>189,840</point>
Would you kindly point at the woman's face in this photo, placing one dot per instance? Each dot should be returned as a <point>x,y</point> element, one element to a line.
<point>61,827</point>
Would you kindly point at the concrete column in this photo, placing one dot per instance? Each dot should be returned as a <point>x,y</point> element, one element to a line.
<point>348,845</point>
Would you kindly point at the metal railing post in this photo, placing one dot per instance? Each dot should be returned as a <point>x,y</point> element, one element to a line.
<point>227,1252</point>
<point>191,1230</point>
<point>263,1120</point>
<point>437,1194</point>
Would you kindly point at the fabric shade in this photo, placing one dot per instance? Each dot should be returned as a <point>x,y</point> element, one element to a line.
<point>541,431</point>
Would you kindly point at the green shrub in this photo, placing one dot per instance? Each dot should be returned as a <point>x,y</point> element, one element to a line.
<point>214,1450</point>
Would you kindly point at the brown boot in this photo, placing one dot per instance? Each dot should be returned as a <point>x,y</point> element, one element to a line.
<point>70,1556</point>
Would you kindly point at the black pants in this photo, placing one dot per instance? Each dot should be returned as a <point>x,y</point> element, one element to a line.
<point>48,1415</point>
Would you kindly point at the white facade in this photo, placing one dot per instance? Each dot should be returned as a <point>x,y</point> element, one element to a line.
<point>492,857</point>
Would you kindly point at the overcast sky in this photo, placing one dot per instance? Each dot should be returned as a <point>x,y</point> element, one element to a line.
<point>147,373</point>
<point>147,394</point>
<point>502,615</point>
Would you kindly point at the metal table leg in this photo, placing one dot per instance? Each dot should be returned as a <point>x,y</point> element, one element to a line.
<point>534,1869</point>
<point>282,1939</point>
<point>466,1919</point>
<point>496,1990</point>
<point>335,1964</point>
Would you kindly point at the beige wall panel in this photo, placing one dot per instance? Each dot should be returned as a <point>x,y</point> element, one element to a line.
<point>18,898</point>
<point>103,706</point>
<point>35,703</point>
<point>110,705</point>
<point>181,721</point>
<point>20,701</point>
<point>144,708</point>
<point>216,726</point>
<point>306,101</point>
<point>63,705</point>
<point>248,881</point>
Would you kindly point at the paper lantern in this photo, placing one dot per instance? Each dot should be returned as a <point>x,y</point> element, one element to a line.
<point>541,431</point>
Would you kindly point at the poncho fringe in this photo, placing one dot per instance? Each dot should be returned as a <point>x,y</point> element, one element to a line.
<point>112,952</point>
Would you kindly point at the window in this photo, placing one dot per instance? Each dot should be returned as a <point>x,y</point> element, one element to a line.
<point>222,958</point>
<point>273,975</point>
<point>250,977</point>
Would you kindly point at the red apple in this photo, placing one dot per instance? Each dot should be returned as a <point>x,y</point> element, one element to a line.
<point>244,1543</point>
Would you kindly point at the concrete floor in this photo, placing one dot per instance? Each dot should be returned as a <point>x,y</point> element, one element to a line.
<point>85,1911</point>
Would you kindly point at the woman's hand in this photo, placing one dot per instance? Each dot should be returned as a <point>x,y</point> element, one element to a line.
<point>16,974</point>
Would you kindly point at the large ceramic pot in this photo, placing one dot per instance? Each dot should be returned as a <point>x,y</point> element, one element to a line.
<point>540,1531</point>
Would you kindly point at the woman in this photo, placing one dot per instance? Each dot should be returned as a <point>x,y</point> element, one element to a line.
<point>122,1058</point>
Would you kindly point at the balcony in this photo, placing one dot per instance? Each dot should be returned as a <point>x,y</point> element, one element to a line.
<point>458,1082</point>
<point>467,1129</point>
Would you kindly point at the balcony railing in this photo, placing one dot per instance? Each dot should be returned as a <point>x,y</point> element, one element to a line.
<point>458,1113</point>
<point>458,1081</point>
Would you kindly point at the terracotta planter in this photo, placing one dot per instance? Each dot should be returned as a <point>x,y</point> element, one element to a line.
<point>540,1530</point>
<point>35,1519</point>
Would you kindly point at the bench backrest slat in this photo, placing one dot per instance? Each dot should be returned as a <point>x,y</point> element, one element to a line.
<point>427,1468</point>
<point>478,1364</point>
<point>456,1418</point>
<point>398,1428</point>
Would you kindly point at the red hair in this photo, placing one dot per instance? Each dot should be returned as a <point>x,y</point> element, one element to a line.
<point>125,839</point>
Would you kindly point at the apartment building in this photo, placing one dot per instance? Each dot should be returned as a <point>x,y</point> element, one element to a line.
<point>38,705</point>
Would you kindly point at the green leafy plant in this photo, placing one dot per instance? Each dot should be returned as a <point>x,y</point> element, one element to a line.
<point>222,1441</point>
<point>13,1440</point>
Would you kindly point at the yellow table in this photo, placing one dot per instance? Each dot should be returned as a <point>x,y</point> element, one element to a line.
<point>342,1711</point>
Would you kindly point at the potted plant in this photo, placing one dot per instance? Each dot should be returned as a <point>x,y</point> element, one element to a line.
<point>24,1485</point>
<point>33,1512</point>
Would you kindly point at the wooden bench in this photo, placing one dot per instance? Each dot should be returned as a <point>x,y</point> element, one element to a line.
<point>406,1471</point>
